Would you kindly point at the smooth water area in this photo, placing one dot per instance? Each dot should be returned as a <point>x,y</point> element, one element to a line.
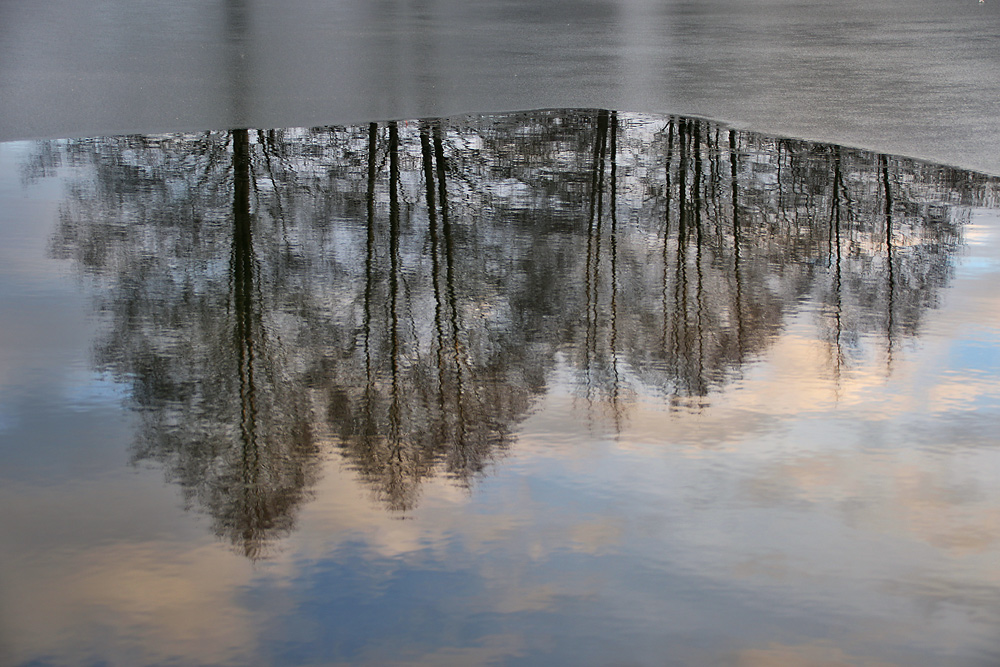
<point>562,387</point>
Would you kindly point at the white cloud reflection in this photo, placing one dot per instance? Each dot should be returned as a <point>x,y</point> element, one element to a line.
<point>794,501</point>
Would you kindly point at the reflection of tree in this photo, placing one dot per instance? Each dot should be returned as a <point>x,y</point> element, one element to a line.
<point>405,290</point>
<point>432,395</point>
<point>750,229</point>
<point>196,336</point>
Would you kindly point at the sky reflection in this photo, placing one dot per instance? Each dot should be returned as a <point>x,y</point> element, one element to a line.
<point>575,387</point>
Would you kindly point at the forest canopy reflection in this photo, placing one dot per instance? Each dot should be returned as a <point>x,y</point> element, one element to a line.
<point>402,292</point>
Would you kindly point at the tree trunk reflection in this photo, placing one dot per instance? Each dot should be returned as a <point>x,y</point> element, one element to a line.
<point>403,293</point>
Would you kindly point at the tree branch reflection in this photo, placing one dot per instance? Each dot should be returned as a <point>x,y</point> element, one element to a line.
<point>400,293</point>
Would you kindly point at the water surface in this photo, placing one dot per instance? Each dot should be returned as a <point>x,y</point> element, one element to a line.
<point>558,387</point>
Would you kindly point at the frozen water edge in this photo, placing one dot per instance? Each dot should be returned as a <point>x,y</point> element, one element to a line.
<point>913,78</point>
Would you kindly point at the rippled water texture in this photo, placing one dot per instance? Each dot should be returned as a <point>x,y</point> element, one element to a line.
<point>562,387</point>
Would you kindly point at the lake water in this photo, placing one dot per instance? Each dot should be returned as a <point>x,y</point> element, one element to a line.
<point>560,387</point>
<point>575,386</point>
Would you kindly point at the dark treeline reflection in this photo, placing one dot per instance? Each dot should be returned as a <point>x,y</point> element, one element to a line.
<point>401,292</point>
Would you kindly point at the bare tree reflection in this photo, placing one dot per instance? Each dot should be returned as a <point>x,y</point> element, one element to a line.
<point>193,328</point>
<point>400,293</point>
